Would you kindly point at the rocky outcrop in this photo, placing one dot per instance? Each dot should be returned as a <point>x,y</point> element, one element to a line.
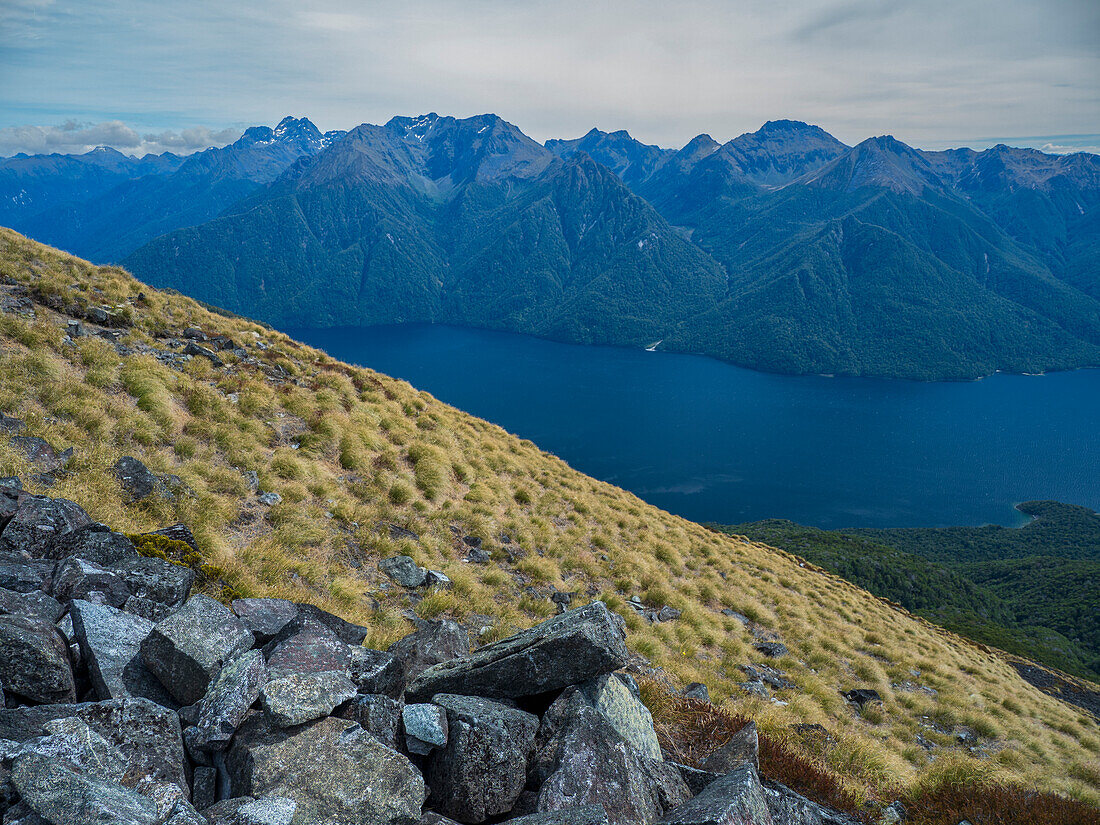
<point>274,713</point>
<point>562,651</point>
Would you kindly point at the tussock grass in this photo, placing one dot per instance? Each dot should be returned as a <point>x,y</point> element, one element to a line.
<point>352,451</point>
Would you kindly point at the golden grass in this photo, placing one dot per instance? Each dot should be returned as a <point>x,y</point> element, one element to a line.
<point>351,451</point>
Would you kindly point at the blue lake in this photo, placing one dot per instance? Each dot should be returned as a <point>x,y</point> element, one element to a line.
<point>714,442</point>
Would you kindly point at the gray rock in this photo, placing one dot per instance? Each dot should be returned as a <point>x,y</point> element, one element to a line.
<point>92,542</point>
<point>628,716</point>
<point>73,742</point>
<point>34,660</point>
<point>23,575</point>
<point>584,815</point>
<point>337,775</point>
<point>303,697</point>
<point>425,727</point>
<point>697,690</point>
<point>268,810</point>
<point>861,696</point>
<point>42,454</point>
<point>39,520</point>
<point>734,799</point>
<point>177,532</point>
<point>695,778</point>
<point>483,768</point>
<point>773,650</point>
<point>147,609</point>
<point>146,734</point>
<point>435,578</point>
<point>35,604</point>
<point>136,479</point>
<point>21,814</point>
<point>894,813</point>
<point>204,787</point>
<point>80,579</point>
<point>432,818</point>
<point>184,813</point>
<point>743,747</point>
<point>404,571</point>
<point>187,650</point>
<point>582,760</point>
<point>376,671</point>
<point>110,641</point>
<point>227,701</point>
<point>269,499</point>
<point>378,715</point>
<point>434,642</point>
<point>194,349</point>
<point>10,424</point>
<point>346,632</point>
<point>265,617</point>
<point>790,808</point>
<point>60,795</point>
<point>306,646</point>
<point>156,579</point>
<point>564,650</point>
<point>667,614</point>
<point>755,688</point>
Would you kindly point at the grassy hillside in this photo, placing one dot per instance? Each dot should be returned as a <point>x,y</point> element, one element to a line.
<point>974,580</point>
<point>367,467</point>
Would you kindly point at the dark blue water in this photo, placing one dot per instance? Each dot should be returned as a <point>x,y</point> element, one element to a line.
<point>713,442</point>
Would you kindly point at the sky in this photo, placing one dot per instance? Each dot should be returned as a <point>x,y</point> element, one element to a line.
<point>152,76</point>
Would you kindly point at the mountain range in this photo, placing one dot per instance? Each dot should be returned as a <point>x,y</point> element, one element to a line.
<point>783,249</point>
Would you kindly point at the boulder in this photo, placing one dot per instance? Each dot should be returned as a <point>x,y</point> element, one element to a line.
<point>861,696</point>
<point>195,350</point>
<point>697,690</point>
<point>734,799</point>
<point>434,642</point>
<point>265,617</point>
<point>177,532</point>
<point>584,815</point>
<point>187,650</point>
<point>483,767</point>
<point>136,479</point>
<point>42,454</point>
<point>582,760</point>
<point>24,575</point>
<point>305,646</point>
<point>743,747</point>
<point>36,605</point>
<point>227,701</point>
<point>269,499</point>
<point>79,579</point>
<point>346,632</point>
<point>156,579</point>
<point>303,697</point>
<point>10,424</point>
<point>21,814</point>
<point>564,650</point>
<point>146,734</point>
<point>39,520</point>
<point>425,728</point>
<point>773,650</point>
<point>110,641</point>
<point>695,778</point>
<point>789,808</point>
<point>147,609</point>
<point>60,795</point>
<point>74,743</point>
<point>337,775</point>
<point>92,542</point>
<point>268,810</point>
<point>204,786</point>
<point>184,813</point>
<point>378,715</point>
<point>34,660</point>
<point>376,671</point>
<point>404,571</point>
<point>631,719</point>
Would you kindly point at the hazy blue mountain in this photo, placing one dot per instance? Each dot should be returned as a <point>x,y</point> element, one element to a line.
<point>630,159</point>
<point>108,223</point>
<point>782,249</point>
<point>438,219</point>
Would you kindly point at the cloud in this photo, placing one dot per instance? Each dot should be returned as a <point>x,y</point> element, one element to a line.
<point>73,137</point>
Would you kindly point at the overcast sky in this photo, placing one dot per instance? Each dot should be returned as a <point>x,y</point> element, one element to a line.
<point>146,75</point>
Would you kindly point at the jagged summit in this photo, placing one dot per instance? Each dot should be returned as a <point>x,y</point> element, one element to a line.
<point>630,159</point>
<point>883,162</point>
